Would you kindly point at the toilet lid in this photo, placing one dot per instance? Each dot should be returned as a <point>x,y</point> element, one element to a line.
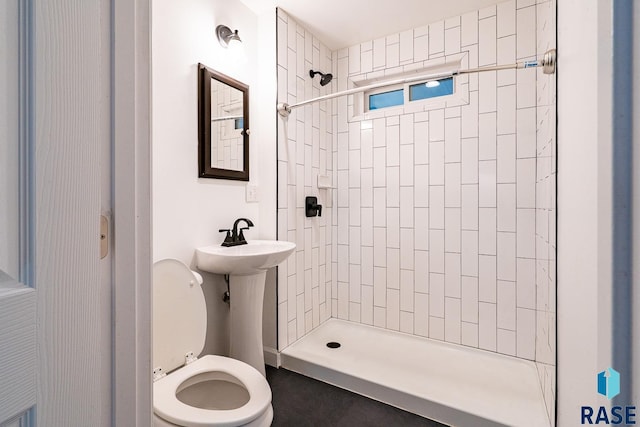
<point>179,314</point>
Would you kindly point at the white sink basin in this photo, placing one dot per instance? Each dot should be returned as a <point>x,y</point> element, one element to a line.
<point>252,258</point>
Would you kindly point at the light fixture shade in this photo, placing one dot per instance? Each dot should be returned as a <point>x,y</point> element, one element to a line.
<point>225,35</point>
<point>432,83</point>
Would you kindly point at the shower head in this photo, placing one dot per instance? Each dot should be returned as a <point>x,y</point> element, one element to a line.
<point>325,79</point>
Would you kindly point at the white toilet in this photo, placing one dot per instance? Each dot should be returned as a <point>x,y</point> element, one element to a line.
<point>212,390</point>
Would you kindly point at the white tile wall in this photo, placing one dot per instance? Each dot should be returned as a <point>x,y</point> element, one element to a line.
<point>443,221</point>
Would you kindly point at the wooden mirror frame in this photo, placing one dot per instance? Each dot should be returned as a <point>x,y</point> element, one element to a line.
<point>205,170</point>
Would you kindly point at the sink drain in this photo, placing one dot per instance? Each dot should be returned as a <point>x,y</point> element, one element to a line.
<point>333,344</point>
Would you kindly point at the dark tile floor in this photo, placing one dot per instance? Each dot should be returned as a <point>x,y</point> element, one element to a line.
<point>300,401</point>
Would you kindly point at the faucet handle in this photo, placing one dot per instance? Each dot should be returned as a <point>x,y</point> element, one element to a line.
<point>228,236</point>
<point>241,234</point>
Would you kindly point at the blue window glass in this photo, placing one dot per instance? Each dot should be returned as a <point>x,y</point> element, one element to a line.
<point>239,124</point>
<point>386,99</point>
<point>431,89</point>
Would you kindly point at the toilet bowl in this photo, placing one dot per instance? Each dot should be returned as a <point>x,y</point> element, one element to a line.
<point>190,391</point>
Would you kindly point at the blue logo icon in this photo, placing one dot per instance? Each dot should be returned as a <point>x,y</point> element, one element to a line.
<point>609,383</point>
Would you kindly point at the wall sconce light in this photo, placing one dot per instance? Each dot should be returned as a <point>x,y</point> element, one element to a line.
<point>225,35</point>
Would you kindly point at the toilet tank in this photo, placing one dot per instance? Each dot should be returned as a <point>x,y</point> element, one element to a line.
<point>179,314</point>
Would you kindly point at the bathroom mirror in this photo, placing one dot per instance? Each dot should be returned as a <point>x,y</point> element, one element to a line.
<point>223,122</point>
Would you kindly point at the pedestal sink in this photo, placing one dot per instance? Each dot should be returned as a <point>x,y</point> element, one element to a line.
<point>247,267</point>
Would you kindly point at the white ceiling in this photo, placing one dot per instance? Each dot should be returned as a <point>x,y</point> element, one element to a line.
<point>342,23</point>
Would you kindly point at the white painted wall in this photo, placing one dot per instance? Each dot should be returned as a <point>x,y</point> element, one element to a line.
<point>584,203</point>
<point>188,211</point>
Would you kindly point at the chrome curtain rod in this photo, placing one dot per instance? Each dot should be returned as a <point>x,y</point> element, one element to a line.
<point>548,64</point>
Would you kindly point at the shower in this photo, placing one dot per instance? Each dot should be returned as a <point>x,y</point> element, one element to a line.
<point>325,79</point>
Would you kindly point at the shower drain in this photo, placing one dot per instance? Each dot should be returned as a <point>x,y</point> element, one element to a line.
<point>333,344</point>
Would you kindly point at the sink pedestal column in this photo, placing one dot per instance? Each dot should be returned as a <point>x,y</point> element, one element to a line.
<point>247,293</point>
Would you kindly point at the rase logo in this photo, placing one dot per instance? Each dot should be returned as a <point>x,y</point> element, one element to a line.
<point>608,386</point>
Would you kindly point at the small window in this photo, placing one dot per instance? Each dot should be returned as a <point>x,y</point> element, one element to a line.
<point>239,123</point>
<point>386,99</point>
<point>431,89</point>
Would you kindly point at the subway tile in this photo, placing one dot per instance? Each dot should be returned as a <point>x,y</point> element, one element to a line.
<point>406,248</point>
<point>436,251</point>
<point>354,283</point>
<point>366,61</point>
<point>487,140</point>
<point>436,295</point>
<point>506,305</point>
<point>506,260</point>
<point>421,277</point>
<point>452,185</point>
<point>379,317</point>
<point>506,154</point>
<point>526,334</point>
<point>470,299</point>
<point>393,55</point>
<point>469,30</point>
<point>393,309</point>
<point>452,274</point>
<point>506,342</point>
<point>469,207</point>
<point>282,38</point>
<point>366,186</point>
<point>421,229</point>
<point>406,46</point>
<point>406,290</point>
<point>526,88</point>
<point>379,166</point>
<point>354,245</point>
<point>487,333</point>
<point>526,283</point>
<point>526,197</point>
<point>470,334</point>
<point>406,129</point>
<point>526,132</point>
<point>393,227</point>
<point>470,117</point>
<point>354,169</point>
<point>487,85</point>
<point>393,186</point>
<point>487,220</point>
<point>506,55</point>
<point>366,273</point>
<point>487,183</point>
<point>452,324</point>
<point>436,166</point>
<point>452,229</point>
<point>354,59</point>
<point>436,37</point>
<point>406,207</point>
<point>526,27</point>
<point>421,315</point>
<point>487,12</point>
<point>436,125</point>
<point>469,161</point>
<point>421,187</point>
<point>367,226</point>
<point>366,148</point>
<point>436,204</point>
<point>379,53</point>
<point>506,195</point>
<point>421,48</point>
<point>452,140</point>
<point>487,41</point>
<point>406,322</point>
<point>487,284</point>
<point>393,145</point>
<point>379,132</point>
<point>406,165</point>
<point>379,247</point>
<point>506,118</point>
<point>379,207</point>
<point>380,286</point>
<point>506,13</point>
<point>452,40</point>
<point>366,306</point>
<point>436,328</point>
<point>469,253</point>
<point>526,233</point>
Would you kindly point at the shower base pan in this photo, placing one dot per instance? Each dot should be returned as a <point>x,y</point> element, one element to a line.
<point>452,384</point>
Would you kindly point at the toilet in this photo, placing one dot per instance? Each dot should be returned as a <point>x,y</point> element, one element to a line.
<point>190,391</point>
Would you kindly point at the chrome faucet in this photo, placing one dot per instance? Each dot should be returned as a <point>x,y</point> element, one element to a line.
<point>235,237</point>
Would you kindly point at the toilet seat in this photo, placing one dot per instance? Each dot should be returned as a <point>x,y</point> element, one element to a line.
<point>167,406</point>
